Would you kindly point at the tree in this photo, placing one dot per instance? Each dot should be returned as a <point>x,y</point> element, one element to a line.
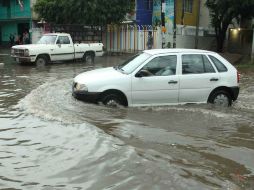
<point>222,13</point>
<point>89,12</point>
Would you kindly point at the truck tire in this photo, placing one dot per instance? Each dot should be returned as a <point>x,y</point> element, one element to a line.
<point>89,57</point>
<point>41,61</point>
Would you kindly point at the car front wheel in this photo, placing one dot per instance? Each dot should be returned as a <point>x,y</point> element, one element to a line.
<point>221,98</point>
<point>112,100</point>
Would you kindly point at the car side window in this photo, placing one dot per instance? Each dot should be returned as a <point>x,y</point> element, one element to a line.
<point>207,65</point>
<point>161,66</point>
<point>196,64</point>
<point>218,64</point>
<point>63,40</point>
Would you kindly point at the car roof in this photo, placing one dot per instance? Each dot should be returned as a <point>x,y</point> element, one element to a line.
<point>175,50</point>
<point>57,33</point>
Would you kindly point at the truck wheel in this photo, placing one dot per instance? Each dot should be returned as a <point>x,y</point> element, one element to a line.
<point>41,60</point>
<point>88,57</point>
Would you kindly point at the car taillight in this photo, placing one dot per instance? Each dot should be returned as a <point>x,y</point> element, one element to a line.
<point>238,77</point>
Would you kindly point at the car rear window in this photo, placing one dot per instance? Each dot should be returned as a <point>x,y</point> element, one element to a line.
<point>218,64</point>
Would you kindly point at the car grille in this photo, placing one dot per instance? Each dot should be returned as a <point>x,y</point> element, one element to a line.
<point>19,52</point>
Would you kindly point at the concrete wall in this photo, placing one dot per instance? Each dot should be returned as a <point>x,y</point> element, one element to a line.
<point>204,19</point>
<point>183,41</point>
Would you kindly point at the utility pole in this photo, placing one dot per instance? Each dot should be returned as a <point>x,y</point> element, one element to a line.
<point>174,27</point>
<point>197,26</point>
<point>163,6</point>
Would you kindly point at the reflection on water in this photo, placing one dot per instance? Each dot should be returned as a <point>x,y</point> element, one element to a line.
<point>49,140</point>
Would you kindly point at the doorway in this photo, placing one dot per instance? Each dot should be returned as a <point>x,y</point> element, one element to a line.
<point>23,27</point>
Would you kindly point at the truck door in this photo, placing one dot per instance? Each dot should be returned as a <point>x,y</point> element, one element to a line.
<point>64,49</point>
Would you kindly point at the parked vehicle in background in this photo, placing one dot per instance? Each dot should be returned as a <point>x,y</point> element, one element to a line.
<point>162,77</point>
<point>56,47</point>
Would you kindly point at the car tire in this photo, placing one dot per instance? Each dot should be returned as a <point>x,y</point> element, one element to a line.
<point>112,100</point>
<point>88,57</point>
<point>221,98</point>
<point>41,61</point>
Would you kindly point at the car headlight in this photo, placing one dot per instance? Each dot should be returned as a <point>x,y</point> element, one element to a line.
<point>81,87</point>
<point>26,52</point>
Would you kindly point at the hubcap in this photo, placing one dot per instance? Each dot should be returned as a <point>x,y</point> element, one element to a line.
<point>221,100</point>
<point>40,62</point>
<point>88,58</point>
<point>112,103</point>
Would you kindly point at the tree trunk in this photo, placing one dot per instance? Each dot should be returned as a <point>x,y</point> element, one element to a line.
<point>220,43</point>
<point>220,37</point>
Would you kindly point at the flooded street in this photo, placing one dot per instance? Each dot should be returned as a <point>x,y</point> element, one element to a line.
<point>49,140</point>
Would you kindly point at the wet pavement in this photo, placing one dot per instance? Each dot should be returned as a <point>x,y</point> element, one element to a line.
<point>49,140</point>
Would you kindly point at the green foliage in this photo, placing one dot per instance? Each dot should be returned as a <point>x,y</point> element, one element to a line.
<point>222,13</point>
<point>89,12</point>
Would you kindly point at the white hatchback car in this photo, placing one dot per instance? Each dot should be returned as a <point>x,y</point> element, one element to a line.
<point>162,77</point>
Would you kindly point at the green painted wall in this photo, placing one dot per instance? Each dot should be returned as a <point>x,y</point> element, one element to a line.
<point>7,29</point>
<point>12,16</point>
<point>15,11</point>
<point>3,12</point>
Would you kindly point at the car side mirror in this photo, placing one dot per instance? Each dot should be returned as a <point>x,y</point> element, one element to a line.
<point>59,45</point>
<point>138,75</point>
<point>141,73</point>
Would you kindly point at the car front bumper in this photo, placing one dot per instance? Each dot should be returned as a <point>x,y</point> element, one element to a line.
<point>92,97</point>
<point>86,96</point>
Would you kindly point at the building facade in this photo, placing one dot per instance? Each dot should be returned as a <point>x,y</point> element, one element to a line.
<point>144,10</point>
<point>15,19</point>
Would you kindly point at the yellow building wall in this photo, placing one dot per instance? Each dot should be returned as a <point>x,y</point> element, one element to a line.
<point>189,18</point>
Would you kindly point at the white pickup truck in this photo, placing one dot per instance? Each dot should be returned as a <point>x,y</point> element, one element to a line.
<point>56,47</point>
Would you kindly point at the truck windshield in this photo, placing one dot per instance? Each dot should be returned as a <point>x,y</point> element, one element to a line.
<point>47,39</point>
<point>133,63</point>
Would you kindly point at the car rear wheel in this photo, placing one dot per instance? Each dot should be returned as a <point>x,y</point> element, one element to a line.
<point>221,98</point>
<point>112,100</point>
<point>41,61</point>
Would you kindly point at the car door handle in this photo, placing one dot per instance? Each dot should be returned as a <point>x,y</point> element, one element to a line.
<point>214,79</point>
<point>172,82</point>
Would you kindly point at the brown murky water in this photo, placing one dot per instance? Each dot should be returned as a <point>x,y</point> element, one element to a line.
<point>49,141</point>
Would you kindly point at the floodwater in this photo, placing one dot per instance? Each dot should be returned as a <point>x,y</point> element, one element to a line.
<point>50,141</point>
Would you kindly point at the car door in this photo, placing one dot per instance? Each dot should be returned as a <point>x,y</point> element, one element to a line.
<point>63,50</point>
<point>198,78</point>
<point>156,83</point>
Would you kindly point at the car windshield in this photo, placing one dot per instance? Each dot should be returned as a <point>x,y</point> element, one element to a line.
<point>47,39</point>
<point>134,62</point>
